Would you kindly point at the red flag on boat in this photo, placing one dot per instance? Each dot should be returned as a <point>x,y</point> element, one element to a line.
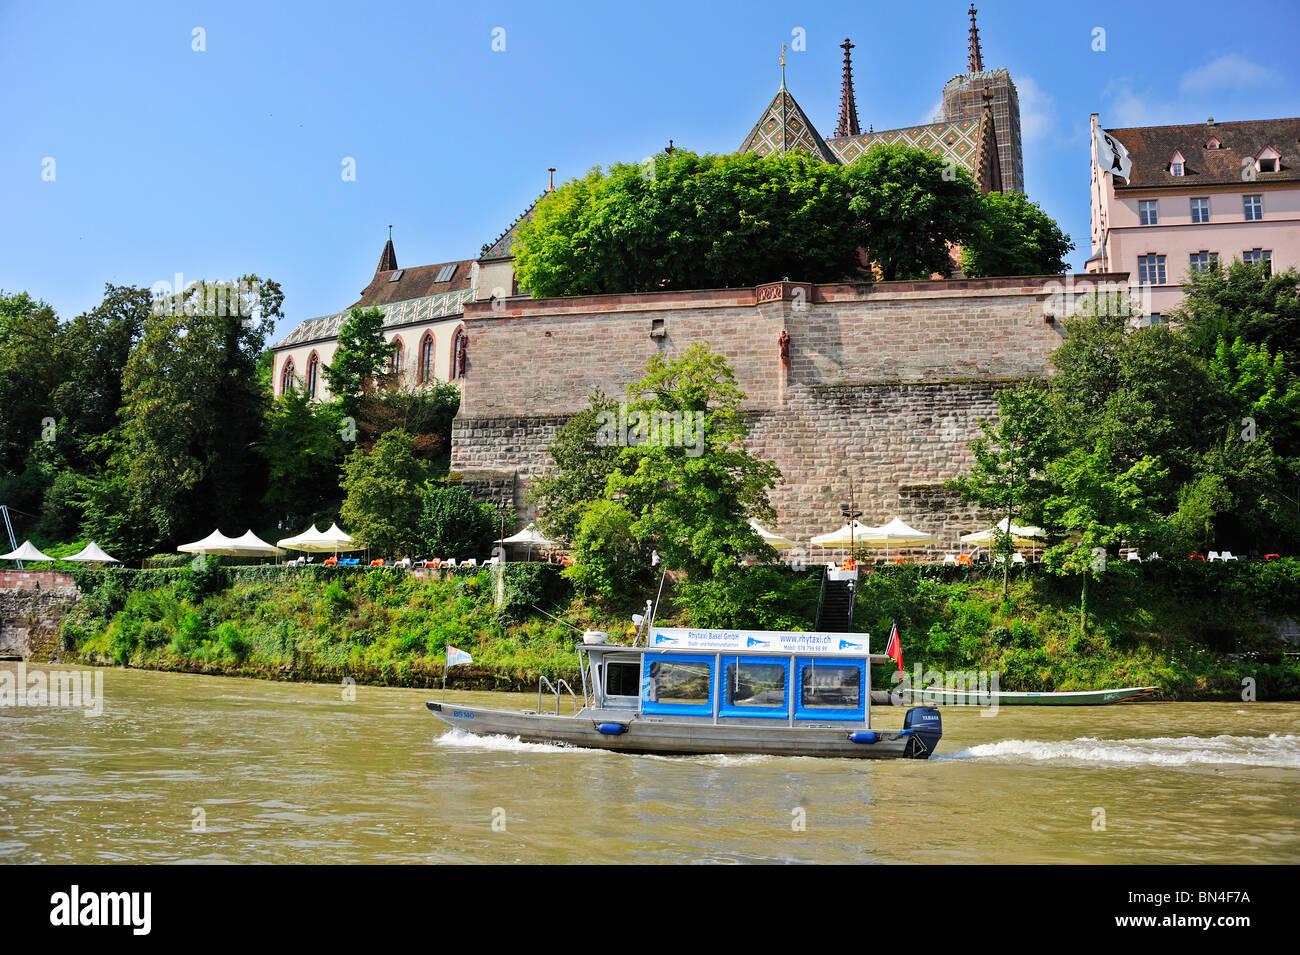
<point>894,649</point>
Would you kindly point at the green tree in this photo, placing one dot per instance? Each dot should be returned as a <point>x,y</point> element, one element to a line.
<point>359,358</point>
<point>303,449</point>
<point>453,524</point>
<point>384,491</point>
<point>1009,475</point>
<point>192,414</point>
<point>1098,504</point>
<point>1245,301</point>
<point>583,459</point>
<point>1014,236</point>
<point>425,413</point>
<point>911,208</point>
<point>33,361</point>
<point>690,221</point>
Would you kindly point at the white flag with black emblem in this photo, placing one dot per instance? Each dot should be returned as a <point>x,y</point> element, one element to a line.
<point>1112,157</point>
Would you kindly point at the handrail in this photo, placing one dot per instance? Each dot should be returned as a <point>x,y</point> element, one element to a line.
<point>540,680</point>
<point>564,683</point>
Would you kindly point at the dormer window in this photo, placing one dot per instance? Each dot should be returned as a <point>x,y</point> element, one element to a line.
<point>1176,164</point>
<point>1212,144</point>
<point>1269,159</point>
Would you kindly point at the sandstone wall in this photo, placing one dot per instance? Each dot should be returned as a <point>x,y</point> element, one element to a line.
<point>32,606</point>
<point>884,388</point>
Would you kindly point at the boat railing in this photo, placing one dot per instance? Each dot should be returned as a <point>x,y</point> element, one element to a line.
<point>555,691</point>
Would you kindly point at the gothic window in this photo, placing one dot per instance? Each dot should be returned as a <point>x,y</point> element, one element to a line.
<point>313,373</point>
<point>426,359</point>
<point>286,377</point>
<point>397,360</point>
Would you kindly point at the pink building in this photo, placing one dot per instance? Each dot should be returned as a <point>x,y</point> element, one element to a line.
<point>1201,193</point>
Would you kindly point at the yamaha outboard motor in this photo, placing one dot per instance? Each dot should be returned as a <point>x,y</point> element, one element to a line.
<point>923,727</point>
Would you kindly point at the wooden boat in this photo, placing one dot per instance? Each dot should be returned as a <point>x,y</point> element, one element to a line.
<point>717,691</point>
<point>938,696</point>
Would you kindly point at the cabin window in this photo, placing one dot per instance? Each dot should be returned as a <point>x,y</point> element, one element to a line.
<point>622,679</point>
<point>755,684</point>
<point>679,682</point>
<point>832,685</point>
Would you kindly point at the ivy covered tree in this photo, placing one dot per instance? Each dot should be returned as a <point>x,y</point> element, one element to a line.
<point>453,524</point>
<point>583,461</point>
<point>1014,236</point>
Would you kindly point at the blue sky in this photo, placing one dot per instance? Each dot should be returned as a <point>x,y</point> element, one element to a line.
<point>218,162</point>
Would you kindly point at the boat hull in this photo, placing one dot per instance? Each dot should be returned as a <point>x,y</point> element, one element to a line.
<point>679,738</point>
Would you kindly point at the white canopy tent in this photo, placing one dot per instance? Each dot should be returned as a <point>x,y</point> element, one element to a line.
<point>896,533</point>
<point>772,540</point>
<point>309,540</point>
<point>93,553</point>
<point>841,537</point>
<point>1021,536</point>
<point>531,537</point>
<point>27,552</point>
<point>217,543</point>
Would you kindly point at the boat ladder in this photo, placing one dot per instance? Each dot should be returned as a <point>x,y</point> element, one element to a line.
<point>555,689</point>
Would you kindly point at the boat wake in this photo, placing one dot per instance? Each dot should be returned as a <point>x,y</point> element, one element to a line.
<point>1272,750</point>
<point>502,744</point>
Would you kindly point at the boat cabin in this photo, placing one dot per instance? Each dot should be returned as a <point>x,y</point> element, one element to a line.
<point>736,676</point>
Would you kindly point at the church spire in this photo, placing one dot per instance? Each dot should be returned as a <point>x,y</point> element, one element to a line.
<point>976,58</point>
<point>848,108</point>
<point>388,259</point>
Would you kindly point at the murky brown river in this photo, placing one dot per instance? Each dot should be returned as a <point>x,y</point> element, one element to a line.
<point>183,768</point>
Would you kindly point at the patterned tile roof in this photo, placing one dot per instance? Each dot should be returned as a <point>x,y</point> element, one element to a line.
<point>416,310</point>
<point>502,247</point>
<point>785,128</point>
<point>956,141</point>
<point>1150,148</point>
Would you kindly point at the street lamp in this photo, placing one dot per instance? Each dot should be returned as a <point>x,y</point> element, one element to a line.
<point>851,516</point>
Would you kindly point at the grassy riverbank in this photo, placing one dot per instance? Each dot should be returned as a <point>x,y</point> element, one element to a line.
<point>1196,631</point>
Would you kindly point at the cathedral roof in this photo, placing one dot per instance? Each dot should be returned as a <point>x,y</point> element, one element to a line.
<point>785,128</point>
<point>957,141</point>
<point>400,285</point>
<point>502,247</point>
<point>428,308</point>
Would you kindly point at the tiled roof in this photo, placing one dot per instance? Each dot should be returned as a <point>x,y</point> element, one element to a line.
<point>1150,148</point>
<point>415,283</point>
<point>502,247</point>
<point>785,128</point>
<point>426,309</point>
<point>957,141</point>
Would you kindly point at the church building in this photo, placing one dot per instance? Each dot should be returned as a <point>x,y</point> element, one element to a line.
<point>424,306</point>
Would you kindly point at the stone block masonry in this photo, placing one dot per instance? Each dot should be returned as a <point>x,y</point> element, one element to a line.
<point>32,607</point>
<point>884,387</point>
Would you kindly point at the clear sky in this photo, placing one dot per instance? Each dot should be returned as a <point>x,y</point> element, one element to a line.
<point>229,160</point>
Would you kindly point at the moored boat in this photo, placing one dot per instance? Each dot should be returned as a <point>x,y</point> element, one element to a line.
<point>717,691</point>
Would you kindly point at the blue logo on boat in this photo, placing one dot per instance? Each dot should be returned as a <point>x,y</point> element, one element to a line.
<point>660,638</point>
<point>846,645</point>
<point>751,642</point>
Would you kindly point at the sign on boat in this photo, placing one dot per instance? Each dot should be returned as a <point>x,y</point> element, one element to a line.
<point>694,691</point>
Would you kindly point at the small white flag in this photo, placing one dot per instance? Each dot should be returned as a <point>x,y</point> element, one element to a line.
<point>457,657</point>
<point>1112,157</point>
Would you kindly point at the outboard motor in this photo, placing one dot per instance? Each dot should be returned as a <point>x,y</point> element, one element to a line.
<point>923,728</point>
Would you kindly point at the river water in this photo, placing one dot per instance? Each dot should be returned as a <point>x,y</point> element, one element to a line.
<point>183,768</point>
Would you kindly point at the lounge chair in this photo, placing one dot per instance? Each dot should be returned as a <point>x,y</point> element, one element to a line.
<point>1227,555</point>
<point>471,562</point>
<point>1134,556</point>
<point>1017,558</point>
<point>1212,556</point>
<point>950,559</point>
<point>965,560</point>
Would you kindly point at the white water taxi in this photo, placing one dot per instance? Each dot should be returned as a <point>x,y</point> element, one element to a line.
<point>717,691</point>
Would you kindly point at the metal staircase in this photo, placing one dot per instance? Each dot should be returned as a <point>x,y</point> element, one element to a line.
<point>835,604</point>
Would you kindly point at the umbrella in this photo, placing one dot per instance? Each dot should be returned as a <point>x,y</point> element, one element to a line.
<point>92,552</point>
<point>772,540</point>
<point>26,552</point>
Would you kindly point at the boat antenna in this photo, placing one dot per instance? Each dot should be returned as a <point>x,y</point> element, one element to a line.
<point>557,619</point>
<point>655,609</point>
